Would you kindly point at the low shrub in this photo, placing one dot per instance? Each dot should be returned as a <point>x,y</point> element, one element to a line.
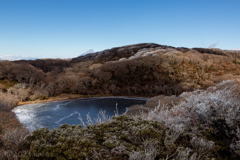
<point>114,139</point>
<point>121,137</point>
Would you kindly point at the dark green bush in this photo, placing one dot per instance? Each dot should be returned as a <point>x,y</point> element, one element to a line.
<point>42,97</point>
<point>75,142</point>
<point>120,138</point>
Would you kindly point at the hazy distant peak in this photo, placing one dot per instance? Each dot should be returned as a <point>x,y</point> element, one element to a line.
<point>87,52</point>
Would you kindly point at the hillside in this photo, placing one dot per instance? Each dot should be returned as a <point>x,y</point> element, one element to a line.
<point>146,69</point>
<point>168,74</point>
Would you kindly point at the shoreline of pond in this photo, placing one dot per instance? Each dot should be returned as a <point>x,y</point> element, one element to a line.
<point>63,97</point>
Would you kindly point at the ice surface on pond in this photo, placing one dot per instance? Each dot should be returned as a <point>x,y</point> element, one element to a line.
<point>54,114</point>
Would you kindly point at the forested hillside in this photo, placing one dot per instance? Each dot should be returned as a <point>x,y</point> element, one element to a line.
<point>133,70</point>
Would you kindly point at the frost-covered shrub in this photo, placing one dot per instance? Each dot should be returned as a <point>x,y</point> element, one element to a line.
<point>202,147</point>
<point>214,112</point>
<point>102,117</point>
<point>150,151</point>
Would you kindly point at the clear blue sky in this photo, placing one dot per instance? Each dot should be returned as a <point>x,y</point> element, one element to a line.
<point>67,28</point>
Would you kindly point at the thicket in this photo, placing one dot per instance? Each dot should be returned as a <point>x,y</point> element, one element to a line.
<point>12,133</point>
<point>203,125</point>
<point>214,112</point>
<point>119,138</point>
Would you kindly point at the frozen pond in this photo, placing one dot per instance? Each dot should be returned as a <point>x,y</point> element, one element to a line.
<point>54,114</point>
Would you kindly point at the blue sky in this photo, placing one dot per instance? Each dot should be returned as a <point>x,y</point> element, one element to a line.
<point>67,28</point>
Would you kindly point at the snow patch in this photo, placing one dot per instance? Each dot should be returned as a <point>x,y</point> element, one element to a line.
<point>88,52</point>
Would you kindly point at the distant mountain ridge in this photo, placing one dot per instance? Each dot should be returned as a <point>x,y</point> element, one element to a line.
<point>127,51</point>
<point>15,57</point>
<point>120,52</point>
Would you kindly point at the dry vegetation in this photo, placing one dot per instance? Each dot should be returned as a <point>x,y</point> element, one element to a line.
<point>204,124</point>
<point>134,70</point>
<point>12,134</point>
